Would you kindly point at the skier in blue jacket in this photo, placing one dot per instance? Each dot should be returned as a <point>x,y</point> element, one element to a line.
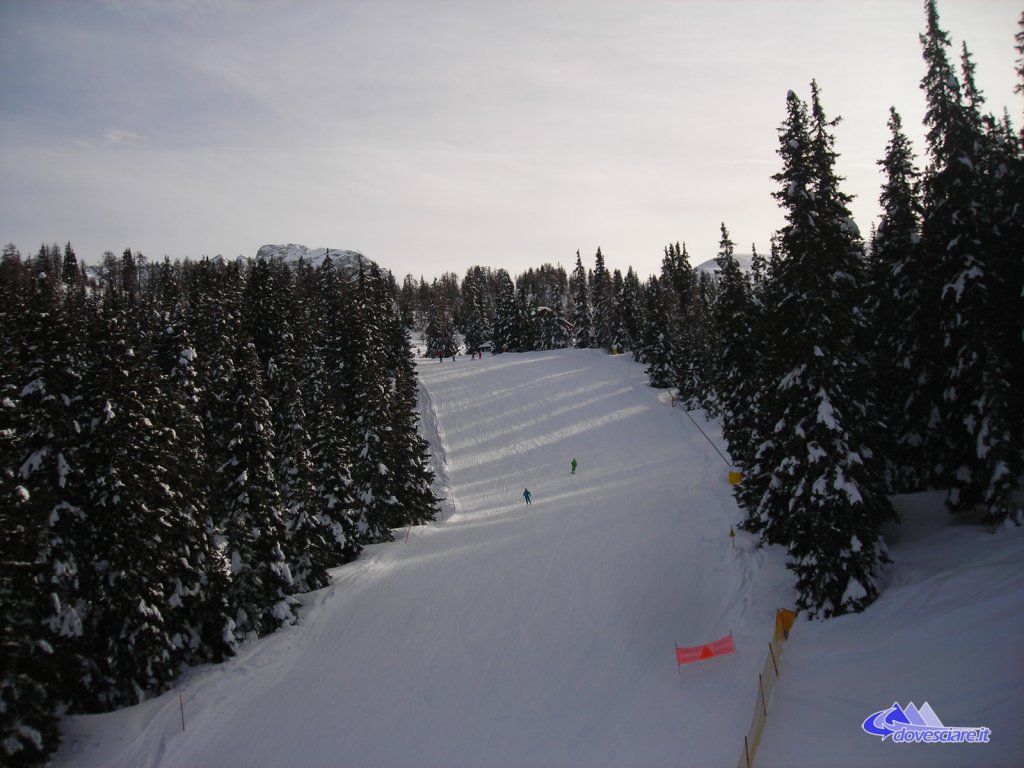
<point>526,495</point>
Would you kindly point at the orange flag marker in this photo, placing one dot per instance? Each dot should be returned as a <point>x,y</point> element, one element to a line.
<point>719,647</point>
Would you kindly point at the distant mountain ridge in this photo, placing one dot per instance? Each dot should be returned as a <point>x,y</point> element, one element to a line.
<point>291,253</point>
<point>711,265</point>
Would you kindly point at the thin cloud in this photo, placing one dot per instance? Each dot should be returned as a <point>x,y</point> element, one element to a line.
<point>438,135</point>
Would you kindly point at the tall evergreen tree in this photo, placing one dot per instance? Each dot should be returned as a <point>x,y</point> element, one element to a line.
<point>821,493</point>
<point>973,406</point>
<point>504,314</point>
<point>372,472</point>
<point>32,390</point>
<point>657,350</point>
<point>473,314</point>
<point>253,526</point>
<point>582,322</point>
<point>308,536</point>
<point>48,488</point>
<point>525,319</point>
<point>895,292</point>
<point>735,363</point>
<point>631,312</point>
<point>602,302</point>
<point>196,574</point>
<point>680,294</point>
<point>132,501</point>
<point>410,453</point>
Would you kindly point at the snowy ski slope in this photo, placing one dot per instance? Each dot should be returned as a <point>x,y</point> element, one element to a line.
<point>509,635</point>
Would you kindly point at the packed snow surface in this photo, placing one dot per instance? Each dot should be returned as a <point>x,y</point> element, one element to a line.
<point>507,635</point>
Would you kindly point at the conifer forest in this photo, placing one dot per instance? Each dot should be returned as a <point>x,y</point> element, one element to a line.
<point>187,447</point>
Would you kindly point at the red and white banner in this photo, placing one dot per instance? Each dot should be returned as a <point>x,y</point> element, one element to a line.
<point>706,651</point>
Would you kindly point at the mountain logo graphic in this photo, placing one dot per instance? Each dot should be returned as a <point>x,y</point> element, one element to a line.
<point>910,725</point>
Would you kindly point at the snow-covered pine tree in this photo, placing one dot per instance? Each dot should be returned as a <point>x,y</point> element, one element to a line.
<point>1000,447</point>
<point>602,303</point>
<point>195,580</point>
<point>504,313</point>
<point>581,318</point>
<point>410,453</point>
<point>704,340</point>
<point>326,370</point>
<point>630,311</point>
<point>679,293</point>
<point>736,361</point>
<point>267,309</point>
<point>308,545</point>
<point>440,330</point>
<point>896,304</point>
<point>472,314</point>
<point>32,390</point>
<point>620,336</point>
<point>551,324</point>
<point>657,351</point>
<point>971,390</point>
<point>132,501</point>
<point>760,415</point>
<point>822,494</point>
<point>1019,46</point>
<point>254,523</point>
<point>270,311</point>
<point>331,454</point>
<point>368,378</point>
<point>525,313</point>
<point>49,479</point>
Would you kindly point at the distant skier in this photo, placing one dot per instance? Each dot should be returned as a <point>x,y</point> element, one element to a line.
<point>573,465</point>
<point>526,495</point>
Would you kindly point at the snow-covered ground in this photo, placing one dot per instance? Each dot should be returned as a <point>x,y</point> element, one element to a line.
<point>542,635</point>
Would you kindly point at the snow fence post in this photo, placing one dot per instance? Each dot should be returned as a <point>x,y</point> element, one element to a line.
<point>181,703</point>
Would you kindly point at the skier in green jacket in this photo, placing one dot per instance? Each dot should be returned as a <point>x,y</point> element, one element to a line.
<point>573,465</point>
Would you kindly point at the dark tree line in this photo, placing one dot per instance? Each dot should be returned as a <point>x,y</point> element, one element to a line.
<point>184,449</point>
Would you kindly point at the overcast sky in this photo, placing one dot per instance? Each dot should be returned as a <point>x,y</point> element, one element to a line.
<point>433,135</point>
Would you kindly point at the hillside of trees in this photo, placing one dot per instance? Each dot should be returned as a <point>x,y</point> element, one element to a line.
<point>186,447</point>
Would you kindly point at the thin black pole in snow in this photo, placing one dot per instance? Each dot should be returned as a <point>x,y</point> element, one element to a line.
<point>181,703</point>
<point>708,439</point>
